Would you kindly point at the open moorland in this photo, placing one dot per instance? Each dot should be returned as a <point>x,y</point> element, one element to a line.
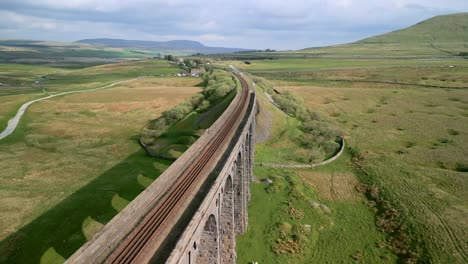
<point>305,215</point>
<point>65,55</point>
<point>405,126</point>
<point>74,161</point>
<point>399,191</point>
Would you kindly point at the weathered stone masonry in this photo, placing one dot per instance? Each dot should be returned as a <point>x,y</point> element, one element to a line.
<point>210,236</point>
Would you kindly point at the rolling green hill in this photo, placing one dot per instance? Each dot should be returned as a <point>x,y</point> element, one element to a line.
<point>91,52</point>
<point>65,55</point>
<point>439,29</point>
<point>185,46</point>
<point>440,35</point>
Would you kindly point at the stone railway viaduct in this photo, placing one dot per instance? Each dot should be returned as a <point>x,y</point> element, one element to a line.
<point>205,230</point>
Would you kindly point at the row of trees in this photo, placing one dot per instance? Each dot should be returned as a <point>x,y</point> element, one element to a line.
<point>218,84</point>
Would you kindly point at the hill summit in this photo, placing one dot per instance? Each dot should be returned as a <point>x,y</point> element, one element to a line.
<point>440,35</point>
<point>439,29</point>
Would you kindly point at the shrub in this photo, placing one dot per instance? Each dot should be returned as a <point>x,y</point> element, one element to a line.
<point>197,100</point>
<point>177,113</point>
<point>290,104</point>
<point>463,167</point>
<point>219,85</point>
<point>354,151</point>
<point>158,126</point>
<point>316,155</point>
<point>453,132</point>
<point>330,147</point>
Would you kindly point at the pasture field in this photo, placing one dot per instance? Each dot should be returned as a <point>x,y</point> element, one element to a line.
<point>307,64</point>
<point>408,141</point>
<point>74,161</point>
<point>306,215</point>
<point>18,81</point>
<point>66,55</point>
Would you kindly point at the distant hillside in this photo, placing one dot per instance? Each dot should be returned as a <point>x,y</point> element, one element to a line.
<point>89,52</point>
<point>176,45</point>
<point>446,34</point>
<point>439,29</point>
<point>62,54</point>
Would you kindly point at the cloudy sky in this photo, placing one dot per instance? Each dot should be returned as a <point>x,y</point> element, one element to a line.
<point>278,24</point>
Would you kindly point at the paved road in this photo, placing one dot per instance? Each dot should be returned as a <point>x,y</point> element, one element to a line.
<point>13,123</point>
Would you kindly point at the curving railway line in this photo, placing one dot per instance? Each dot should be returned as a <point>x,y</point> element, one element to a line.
<point>141,243</point>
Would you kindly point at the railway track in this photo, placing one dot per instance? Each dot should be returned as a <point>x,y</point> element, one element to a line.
<point>137,246</point>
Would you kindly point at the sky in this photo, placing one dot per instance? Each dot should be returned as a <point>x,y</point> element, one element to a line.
<point>256,24</point>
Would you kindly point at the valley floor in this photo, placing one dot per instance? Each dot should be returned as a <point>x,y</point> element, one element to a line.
<point>74,161</point>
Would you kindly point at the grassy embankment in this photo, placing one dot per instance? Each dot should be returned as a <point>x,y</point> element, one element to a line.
<point>410,142</point>
<point>74,161</point>
<point>307,138</point>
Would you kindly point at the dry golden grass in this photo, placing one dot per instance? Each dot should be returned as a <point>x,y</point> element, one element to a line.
<point>71,140</point>
<point>339,187</point>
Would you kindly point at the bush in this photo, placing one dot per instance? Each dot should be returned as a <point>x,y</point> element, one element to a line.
<point>316,155</point>
<point>158,124</point>
<point>197,100</point>
<point>218,93</point>
<point>177,113</point>
<point>219,85</point>
<point>354,151</point>
<point>463,167</point>
<point>330,147</point>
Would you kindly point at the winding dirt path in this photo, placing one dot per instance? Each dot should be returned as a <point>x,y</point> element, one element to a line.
<point>13,122</point>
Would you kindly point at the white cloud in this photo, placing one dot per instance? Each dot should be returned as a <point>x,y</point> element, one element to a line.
<point>254,24</point>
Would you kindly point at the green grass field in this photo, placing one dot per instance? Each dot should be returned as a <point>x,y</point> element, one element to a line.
<point>66,55</point>
<point>411,141</point>
<point>18,81</point>
<point>307,215</point>
<point>74,161</point>
<point>308,64</point>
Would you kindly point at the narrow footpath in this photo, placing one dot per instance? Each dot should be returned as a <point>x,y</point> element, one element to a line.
<point>13,122</point>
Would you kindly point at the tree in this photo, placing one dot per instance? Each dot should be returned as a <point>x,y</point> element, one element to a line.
<point>169,58</point>
<point>316,155</point>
